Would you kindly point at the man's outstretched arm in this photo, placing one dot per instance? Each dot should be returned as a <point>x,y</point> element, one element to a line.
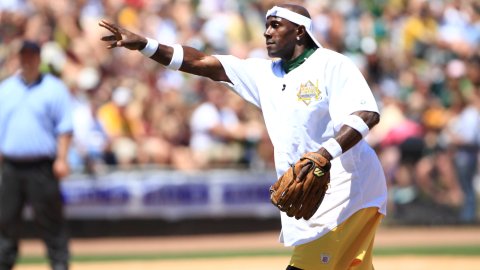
<point>193,61</point>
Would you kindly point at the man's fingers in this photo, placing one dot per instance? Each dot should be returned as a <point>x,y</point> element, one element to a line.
<point>116,37</point>
<point>106,25</point>
<point>119,36</point>
<point>115,44</point>
<point>109,38</point>
<point>110,27</point>
<point>304,171</point>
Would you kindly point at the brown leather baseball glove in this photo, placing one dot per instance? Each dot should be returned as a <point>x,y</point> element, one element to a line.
<point>301,189</point>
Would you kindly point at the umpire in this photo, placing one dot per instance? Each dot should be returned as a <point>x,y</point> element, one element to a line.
<point>35,134</point>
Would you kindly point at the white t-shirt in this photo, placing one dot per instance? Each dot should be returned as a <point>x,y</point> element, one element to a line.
<point>466,126</point>
<point>203,119</point>
<point>303,109</point>
<point>88,134</point>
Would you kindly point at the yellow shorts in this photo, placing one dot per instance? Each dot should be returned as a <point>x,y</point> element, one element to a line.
<point>348,246</point>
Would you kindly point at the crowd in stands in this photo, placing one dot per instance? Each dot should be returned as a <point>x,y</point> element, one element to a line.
<point>421,59</point>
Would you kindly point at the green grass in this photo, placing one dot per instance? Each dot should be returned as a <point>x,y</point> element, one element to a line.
<point>430,251</point>
<point>163,256</point>
<point>390,251</point>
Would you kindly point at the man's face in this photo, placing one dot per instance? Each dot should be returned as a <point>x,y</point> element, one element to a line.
<point>280,37</point>
<point>29,60</point>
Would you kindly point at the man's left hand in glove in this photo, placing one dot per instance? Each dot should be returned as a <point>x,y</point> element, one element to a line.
<point>301,189</point>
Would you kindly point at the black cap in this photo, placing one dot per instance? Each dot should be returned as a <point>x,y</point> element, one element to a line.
<point>30,46</point>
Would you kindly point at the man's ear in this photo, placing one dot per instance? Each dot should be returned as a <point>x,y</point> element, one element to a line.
<point>301,32</point>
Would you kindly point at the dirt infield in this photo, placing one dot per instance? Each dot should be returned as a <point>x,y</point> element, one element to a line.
<point>274,263</point>
<point>387,237</point>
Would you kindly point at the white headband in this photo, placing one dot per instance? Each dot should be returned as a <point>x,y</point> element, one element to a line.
<point>294,18</point>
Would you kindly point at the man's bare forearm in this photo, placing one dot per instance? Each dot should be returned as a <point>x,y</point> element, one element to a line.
<point>63,144</point>
<point>194,62</point>
<point>348,137</point>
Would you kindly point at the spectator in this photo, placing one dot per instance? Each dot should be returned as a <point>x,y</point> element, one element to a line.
<point>35,134</point>
<point>216,130</point>
<point>122,126</point>
<point>420,28</point>
<point>463,134</point>
<point>90,150</point>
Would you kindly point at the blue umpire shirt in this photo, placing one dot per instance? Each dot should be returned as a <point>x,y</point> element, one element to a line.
<point>32,116</point>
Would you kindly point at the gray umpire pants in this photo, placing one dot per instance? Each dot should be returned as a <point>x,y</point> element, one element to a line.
<point>32,182</point>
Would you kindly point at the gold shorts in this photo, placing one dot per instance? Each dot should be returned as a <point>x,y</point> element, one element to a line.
<point>348,246</point>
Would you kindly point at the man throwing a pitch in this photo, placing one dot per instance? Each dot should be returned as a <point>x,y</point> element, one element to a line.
<point>317,108</point>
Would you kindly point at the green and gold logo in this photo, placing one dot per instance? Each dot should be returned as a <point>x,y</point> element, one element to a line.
<point>308,92</point>
<point>318,172</point>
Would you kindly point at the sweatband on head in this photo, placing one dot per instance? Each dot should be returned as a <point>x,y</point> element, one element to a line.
<point>357,123</point>
<point>150,48</point>
<point>294,18</point>
<point>177,57</point>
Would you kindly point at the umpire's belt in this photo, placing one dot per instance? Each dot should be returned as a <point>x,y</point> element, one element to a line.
<point>26,160</point>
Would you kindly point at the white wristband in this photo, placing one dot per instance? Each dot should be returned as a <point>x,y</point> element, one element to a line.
<point>357,123</point>
<point>332,147</point>
<point>177,57</point>
<point>150,48</point>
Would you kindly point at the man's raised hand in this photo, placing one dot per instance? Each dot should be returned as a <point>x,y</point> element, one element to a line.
<point>121,37</point>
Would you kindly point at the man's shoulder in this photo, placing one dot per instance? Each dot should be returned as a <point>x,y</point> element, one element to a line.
<point>260,63</point>
<point>10,86</point>
<point>251,61</point>
<point>54,83</point>
<point>49,78</point>
<point>330,54</point>
<point>9,80</point>
<point>332,59</point>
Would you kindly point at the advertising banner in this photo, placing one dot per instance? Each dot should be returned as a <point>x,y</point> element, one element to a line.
<point>170,194</point>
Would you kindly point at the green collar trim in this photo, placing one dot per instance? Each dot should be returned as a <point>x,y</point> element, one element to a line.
<point>292,64</point>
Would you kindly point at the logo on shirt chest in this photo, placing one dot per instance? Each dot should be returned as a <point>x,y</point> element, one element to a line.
<point>308,92</point>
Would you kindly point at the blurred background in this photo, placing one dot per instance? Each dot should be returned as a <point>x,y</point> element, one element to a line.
<point>153,147</point>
